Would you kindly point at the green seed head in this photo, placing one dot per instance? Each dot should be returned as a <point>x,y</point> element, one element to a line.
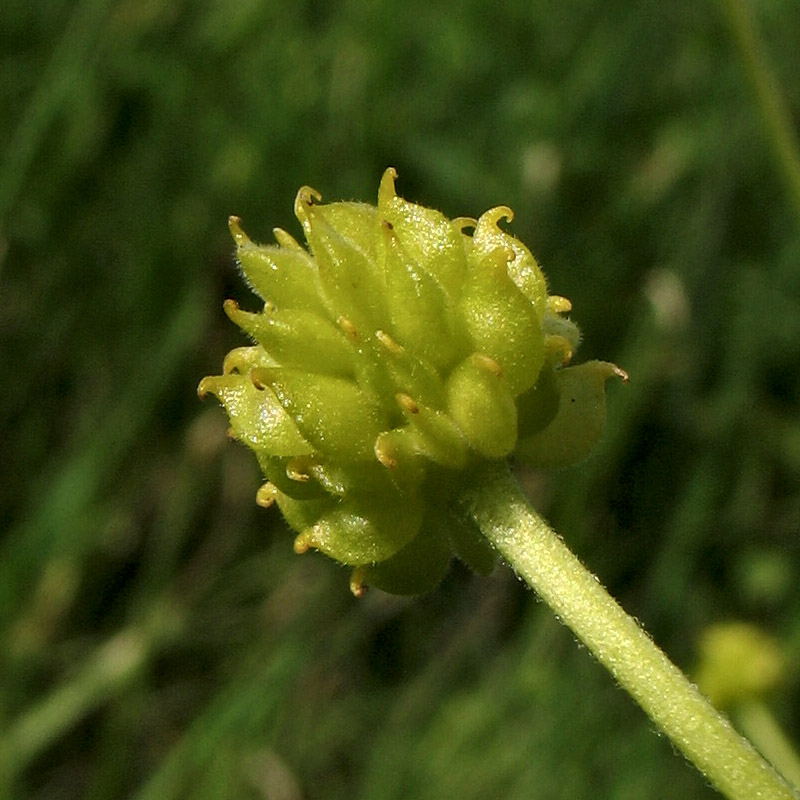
<point>390,357</point>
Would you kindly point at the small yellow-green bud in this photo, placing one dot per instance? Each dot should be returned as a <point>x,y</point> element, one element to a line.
<point>390,357</point>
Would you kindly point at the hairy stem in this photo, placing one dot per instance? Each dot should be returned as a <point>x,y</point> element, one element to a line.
<point>539,556</point>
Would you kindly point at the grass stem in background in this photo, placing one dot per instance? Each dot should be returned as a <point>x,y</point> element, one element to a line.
<point>763,730</point>
<point>103,675</point>
<point>772,108</point>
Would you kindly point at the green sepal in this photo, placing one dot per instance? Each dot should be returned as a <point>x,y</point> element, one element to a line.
<point>523,269</point>
<point>421,314</point>
<point>418,568</point>
<point>333,414</point>
<point>501,321</point>
<point>537,407</point>
<point>578,424</point>
<point>481,405</point>
<point>365,529</point>
<point>257,417</point>
<point>469,544</point>
<point>284,276</point>
<point>349,282</point>
<point>426,235</point>
<point>297,339</point>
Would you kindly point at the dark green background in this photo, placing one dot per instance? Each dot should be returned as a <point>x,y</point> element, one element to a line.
<point>158,637</point>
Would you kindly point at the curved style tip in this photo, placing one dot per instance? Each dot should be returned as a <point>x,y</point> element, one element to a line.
<point>384,453</point>
<point>303,202</point>
<point>348,328</point>
<point>256,378</point>
<point>358,586</point>
<point>462,223</point>
<point>303,543</point>
<point>558,349</point>
<point>230,307</point>
<point>388,343</point>
<point>608,370</point>
<point>266,495</point>
<point>297,470</point>
<point>286,240</point>
<point>558,304</point>
<point>494,215</point>
<point>407,403</point>
<point>386,190</point>
<point>487,364</point>
<point>235,227</point>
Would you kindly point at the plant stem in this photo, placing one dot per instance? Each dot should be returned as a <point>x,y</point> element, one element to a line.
<point>762,729</point>
<point>538,555</point>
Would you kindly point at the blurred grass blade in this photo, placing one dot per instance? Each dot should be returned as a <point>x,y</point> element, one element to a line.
<point>101,676</point>
<point>53,523</point>
<point>772,107</point>
<point>66,66</point>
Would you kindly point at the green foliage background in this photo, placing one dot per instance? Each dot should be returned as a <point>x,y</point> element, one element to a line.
<point>158,637</point>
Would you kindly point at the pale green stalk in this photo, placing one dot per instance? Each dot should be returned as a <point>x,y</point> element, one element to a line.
<point>761,727</point>
<point>541,558</point>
